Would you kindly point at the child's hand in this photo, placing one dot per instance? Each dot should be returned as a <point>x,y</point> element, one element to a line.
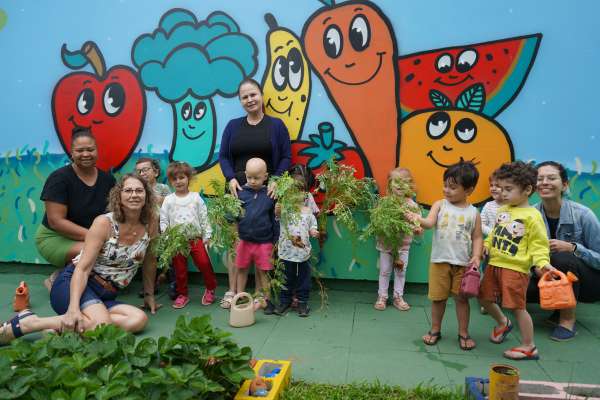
<point>278,210</point>
<point>475,260</point>
<point>541,271</point>
<point>314,233</point>
<point>418,231</point>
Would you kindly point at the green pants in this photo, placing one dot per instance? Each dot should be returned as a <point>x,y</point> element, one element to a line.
<point>53,246</point>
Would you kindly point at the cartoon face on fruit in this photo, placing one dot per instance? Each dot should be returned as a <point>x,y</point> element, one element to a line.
<point>351,47</point>
<point>500,66</point>
<point>433,140</point>
<point>286,82</point>
<point>112,104</point>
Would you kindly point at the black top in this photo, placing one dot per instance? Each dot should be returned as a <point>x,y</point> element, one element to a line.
<point>84,203</point>
<point>251,141</point>
<point>552,225</point>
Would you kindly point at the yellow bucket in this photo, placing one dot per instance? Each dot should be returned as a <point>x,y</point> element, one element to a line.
<point>504,382</point>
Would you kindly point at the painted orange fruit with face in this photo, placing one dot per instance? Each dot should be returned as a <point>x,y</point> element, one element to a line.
<point>432,140</point>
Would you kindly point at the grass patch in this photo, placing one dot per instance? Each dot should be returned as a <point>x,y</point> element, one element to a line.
<point>368,391</point>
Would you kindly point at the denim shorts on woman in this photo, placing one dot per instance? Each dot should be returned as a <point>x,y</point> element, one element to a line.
<point>94,293</point>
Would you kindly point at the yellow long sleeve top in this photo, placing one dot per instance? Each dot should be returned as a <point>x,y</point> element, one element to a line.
<point>518,240</point>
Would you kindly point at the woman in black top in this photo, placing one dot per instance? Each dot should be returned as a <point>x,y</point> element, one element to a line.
<point>73,196</point>
<point>253,135</point>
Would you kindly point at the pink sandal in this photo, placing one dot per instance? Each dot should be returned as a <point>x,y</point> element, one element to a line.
<point>381,303</point>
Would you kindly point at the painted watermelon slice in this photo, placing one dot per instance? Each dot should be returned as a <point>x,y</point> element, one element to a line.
<point>501,66</point>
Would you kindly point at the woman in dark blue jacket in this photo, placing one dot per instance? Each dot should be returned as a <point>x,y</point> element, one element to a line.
<point>253,135</point>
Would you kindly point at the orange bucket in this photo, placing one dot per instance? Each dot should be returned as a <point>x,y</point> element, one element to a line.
<point>556,290</point>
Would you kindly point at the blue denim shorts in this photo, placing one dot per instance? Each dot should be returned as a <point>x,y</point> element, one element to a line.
<point>94,293</point>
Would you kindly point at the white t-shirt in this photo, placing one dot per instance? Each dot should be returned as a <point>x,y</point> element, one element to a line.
<point>294,242</point>
<point>488,216</point>
<point>452,241</point>
<point>189,209</point>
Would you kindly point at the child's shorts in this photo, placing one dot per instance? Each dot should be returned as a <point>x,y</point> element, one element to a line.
<point>258,253</point>
<point>444,280</point>
<point>506,285</point>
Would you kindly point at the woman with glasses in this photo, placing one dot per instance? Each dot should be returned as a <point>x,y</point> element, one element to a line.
<point>574,234</point>
<point>116,245</point>
<point>73,196</point>
<point>149,170</point>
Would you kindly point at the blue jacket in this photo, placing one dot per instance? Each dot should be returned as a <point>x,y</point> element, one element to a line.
<point>280,142</point>
<point>578,224</point>
<point>258,223</point>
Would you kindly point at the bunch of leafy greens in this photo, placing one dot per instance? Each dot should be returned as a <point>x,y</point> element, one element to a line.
<point>224,209</point>
<point>174,240</point>
<point>343,194</point>
<point>390,218</point>
<point>198,361</point>
<point>290,198</point>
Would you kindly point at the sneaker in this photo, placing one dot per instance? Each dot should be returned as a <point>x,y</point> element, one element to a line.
<point>181,301</point>
<point>400,304</point>
<point>294,304</point>
<point>303,309</point>
<point>270,308</point>
<point>208,297</point>
<point>381,303</point>
<point>282,309</point>
<point>226,300</point>
<point>562,334</point>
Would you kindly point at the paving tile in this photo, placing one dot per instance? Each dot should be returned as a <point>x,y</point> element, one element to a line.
<point>573,372</point>
<point>314,362</point>
<point>396,367</point>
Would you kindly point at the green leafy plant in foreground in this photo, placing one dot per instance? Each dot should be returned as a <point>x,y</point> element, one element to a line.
<point>390,219</point>
<point>197,361</point>
<point>174,240</point>
<point>223,210</point>
<point>343,194</point>
<point>368,391</point>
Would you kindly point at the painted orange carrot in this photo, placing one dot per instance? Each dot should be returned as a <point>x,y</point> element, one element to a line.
<point>352,49</point>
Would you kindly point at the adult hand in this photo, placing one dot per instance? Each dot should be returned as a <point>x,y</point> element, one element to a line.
<point>73,321</point>
<point>557,246</point>
<point>234,186</point>
<point>314,233</point>
<point>271,189</point>
<point>150,304</point>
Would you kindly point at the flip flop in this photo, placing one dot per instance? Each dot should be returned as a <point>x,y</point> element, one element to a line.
<point>523,354</point>
<point>14,324</point>
<point>465,339</point>
<point>499,335</point>
<point>434,337</point>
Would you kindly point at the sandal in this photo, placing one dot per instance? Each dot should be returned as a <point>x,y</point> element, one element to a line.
<point>381,303</point>
<point>463,340</point>
<point>434,337</point>
<point>13,326</point>
<point>401,304</point>
<point>522,354</point>
<point>226,300</point>
<point>499,335</point>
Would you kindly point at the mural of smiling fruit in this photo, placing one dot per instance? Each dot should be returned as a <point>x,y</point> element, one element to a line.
<point>196,123</point>
<point>501,66</point>
<point>286,81</point>
<point>434,139</point>
<point>352,49</point>
<point>111,103</point>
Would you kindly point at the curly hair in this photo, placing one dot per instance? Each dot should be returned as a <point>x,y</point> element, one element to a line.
<point>179,167</point>
<point>520,173</point>
<point>114,200</point>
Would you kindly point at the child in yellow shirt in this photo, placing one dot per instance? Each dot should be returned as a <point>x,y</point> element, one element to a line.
<point>517,242</point>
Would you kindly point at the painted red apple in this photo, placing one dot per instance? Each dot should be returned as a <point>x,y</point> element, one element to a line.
<point>112,104</point>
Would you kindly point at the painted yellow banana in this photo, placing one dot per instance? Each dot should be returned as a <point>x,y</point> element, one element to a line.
<point>286,81</point>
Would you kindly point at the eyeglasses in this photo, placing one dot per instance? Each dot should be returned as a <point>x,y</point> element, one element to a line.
<point>143,170</point>
<point>129,191</point>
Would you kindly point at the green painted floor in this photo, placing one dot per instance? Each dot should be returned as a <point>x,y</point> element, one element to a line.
<point>349,341</point>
